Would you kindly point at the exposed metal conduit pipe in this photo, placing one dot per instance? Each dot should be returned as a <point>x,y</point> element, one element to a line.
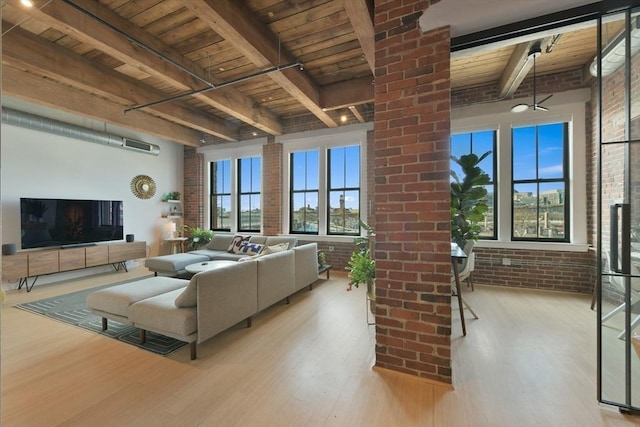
<point>56,127</point>
<point>138,43</point>
<point>218,86</point>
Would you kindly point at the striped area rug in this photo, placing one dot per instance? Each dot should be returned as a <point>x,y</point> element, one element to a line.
<point>71,309</point>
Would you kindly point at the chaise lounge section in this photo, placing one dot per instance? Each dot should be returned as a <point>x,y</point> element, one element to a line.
<point>211,301</point>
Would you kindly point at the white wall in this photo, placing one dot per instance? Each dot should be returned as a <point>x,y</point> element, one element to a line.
<point>39,164</point>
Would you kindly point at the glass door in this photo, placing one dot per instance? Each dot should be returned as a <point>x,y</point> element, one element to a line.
<point>618,66</point>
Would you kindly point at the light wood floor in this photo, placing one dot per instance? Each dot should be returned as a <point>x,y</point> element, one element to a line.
<point>528,361</point>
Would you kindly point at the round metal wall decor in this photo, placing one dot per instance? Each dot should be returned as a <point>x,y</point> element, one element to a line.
<point>143,186</point>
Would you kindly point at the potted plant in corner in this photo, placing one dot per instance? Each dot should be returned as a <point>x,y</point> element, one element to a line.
<point>198,237</point>
<point>468,199</point>
<point>362,265</point>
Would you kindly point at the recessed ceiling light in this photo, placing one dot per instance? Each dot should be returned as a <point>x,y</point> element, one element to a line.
<point>254,133</point>
<point>26,3</point>
<point>343,118</point>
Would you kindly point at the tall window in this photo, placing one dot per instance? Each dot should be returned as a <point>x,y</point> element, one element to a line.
<point>479,143</point>
<point>249,182</point>
<point>305,190</point>
<point>344,190</point>
<point>220,202</point>
<point>540,183</point>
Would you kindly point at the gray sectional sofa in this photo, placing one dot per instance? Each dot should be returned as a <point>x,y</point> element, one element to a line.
<point>211,301</point>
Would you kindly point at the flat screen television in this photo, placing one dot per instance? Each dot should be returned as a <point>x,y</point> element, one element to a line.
<point>68,222</point>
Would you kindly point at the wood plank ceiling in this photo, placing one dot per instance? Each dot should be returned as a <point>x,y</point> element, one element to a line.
<point>213,71</point>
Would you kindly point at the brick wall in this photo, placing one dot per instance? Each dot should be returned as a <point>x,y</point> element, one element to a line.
<point>194,187</point>
<point>412,110</point>
<point>548,270</point>
<point>272,190</point>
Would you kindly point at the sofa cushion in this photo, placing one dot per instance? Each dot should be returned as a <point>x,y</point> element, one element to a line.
<point>160,314</point>
<point>258,239</point>
<point>236,242</point>
<point>280,247</point>
<point>220,242</point>
<point>250,248</point>
<point>117,299</point>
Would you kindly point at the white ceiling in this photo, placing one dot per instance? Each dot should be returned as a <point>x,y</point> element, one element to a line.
<point>469,16</point>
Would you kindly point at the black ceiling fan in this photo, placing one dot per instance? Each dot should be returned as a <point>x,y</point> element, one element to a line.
<point>519,108</point>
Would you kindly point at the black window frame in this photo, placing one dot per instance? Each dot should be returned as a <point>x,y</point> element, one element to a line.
<point>214,195</point>
<point>344,189</point>
<point>292,192</point>
<point>494,181</point>
<point>240,193</point>
<point>566,181</point>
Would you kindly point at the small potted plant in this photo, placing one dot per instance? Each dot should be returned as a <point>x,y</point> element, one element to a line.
<point>198,237</point>
<point>362,265</point>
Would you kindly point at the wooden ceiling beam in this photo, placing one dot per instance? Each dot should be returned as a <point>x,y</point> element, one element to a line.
<point>360,15</point>
<point>234,22</point>
<point>31,88</point>
<point>344,94</point>
<point>25,50</point>
<point>516,70</point>
<point>78,25</point>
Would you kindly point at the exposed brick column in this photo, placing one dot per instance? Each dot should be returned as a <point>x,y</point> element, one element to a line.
<point>272,188</point>
<point>193,188</point>
<point>412,199</point>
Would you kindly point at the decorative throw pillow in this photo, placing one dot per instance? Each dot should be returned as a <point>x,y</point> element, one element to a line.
<point>280,247</point>
<point>236,242</point>
<point>249,248</point>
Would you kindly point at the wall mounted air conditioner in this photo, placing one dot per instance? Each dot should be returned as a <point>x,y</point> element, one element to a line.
<point>146,147</point>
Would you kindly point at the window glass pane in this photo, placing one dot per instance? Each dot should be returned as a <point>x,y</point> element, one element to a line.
<point>304,167</point>
<point>220,210</point>
<point>304,218</point>
<point>344,194</point>
<point>524,153</point>
<point>220,205</point>
<point>223,176</point>
<point>551,151</point>
<point>352,159</point>
<point>245,171</point>
<point>460,145</point>
<point>249,179</point>
<point>479,143</point>
<point>552,210</point>
<point>338,165</point>
<point>250,212</point>
<point>344,215</point>
<point>525,211</point>
<point>483,142</point>
<point>488,228</point>
<point>539,204</point>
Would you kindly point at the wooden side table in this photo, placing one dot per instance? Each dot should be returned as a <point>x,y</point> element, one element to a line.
<point>177,244</point>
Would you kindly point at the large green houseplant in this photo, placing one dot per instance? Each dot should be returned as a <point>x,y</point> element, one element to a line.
<point>198,237</point>
<point>468,198</point>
